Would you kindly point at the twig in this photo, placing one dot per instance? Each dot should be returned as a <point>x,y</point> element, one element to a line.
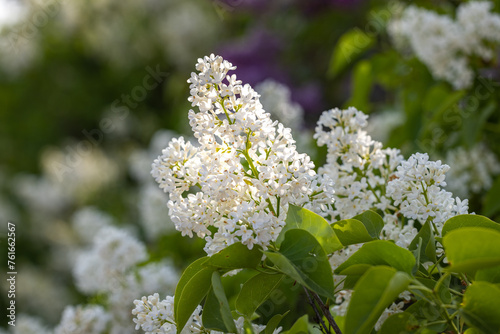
<point>326,312</point>
<point>320,318</point>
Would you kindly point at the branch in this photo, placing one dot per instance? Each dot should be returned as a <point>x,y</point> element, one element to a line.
<point>326,312</point>
<point>320,318</point>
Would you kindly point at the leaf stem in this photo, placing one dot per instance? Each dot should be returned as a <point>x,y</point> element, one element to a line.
<point>439,282</point>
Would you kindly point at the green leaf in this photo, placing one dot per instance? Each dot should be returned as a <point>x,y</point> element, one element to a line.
<point>274,322</point>
<point>443,292</point>
<point>350,46</point>
<point>468,221</point>
<point>193,286</point>
<point>235,256</point>
<point>188,273</point>
<point>426,313</point>
<point>491,201</point>
<point>255,291</point>
<point>373,293</point>
<point>300,326</point>
<point>469,249</point>
<point>216,313</point>
<point>438,100</point>
<point>472,129</point>
<point>351,231</point>
<point>398,323</point>
<point>212,315</point>
<point>423,245</point>
<point>372,221</point>
<point>427,331</point>
<point>300,218</point>
<point>380,252</point>
<point>435,96</point>
<point>362,83</point>
<point>491,275</point>
<point>387,67</point>
<point>340,320</point>
<point>247,327</point>
<point>481,307</point>
<point>302,258</point>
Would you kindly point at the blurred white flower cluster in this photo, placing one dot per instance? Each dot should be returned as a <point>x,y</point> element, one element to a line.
<point>150,200</point>
<point>180,28</point>
<point>103,267</point>
<point>157,316</point>
<point>10,12</point>
<point>473,170</point>
<point>107,29</point>
<point>111,267</point>
<point>26,324</point>
<point>245,171</point>
<point>91,319</point>
<point>276,99</point>
<point>445,45</point>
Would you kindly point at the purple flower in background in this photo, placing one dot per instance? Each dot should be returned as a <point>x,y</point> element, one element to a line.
<point>310,6</point>
<point>344,3</point>
<point>317,6</point>
<point>309,96</point>
<point>256,57</point>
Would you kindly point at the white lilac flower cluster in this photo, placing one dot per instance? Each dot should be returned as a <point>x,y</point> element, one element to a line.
<point>245,171</point>
<point>446,46</point>
<point>360,169</point>
<point>417,191</point>
<point>366,176</point>
<point>473,170</point>
<point>358,165</point>
<point>155,316</point>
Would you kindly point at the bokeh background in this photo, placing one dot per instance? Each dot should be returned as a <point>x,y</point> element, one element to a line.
<point>91,91</point>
